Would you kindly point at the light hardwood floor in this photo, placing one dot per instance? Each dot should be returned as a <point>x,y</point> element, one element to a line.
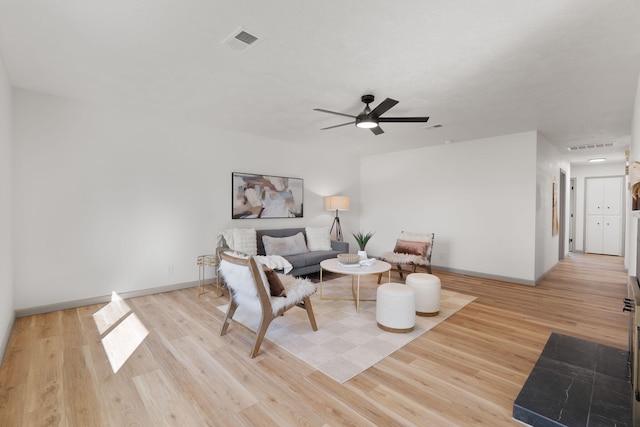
<point>466,371</point>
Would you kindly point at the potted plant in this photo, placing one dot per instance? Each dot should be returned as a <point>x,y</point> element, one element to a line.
<point>362,239</point>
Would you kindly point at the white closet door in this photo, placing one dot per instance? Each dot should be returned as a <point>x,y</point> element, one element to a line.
<point>611,235</point>
<point>594,237</point>
<point>603,219</point>
<point>595,188</point>
<point>612,196</point>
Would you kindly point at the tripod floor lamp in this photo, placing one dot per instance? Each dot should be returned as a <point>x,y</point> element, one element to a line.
<point>336,203</point>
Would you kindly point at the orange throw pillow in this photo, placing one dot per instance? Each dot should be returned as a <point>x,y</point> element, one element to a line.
<point>411,248</point>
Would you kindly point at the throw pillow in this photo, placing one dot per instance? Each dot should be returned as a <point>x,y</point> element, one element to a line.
<point>275,284</point>
<point>283,246</point>
<point>318,238</point>
<point>411,248</point>
<point>245,241</point>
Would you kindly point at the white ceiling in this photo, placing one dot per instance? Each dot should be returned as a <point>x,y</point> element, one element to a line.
<point>568,69</point>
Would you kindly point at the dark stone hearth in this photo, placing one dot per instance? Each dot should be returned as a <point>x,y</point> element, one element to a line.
<point>576,383</point>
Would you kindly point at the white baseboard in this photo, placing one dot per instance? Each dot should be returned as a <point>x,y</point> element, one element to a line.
<point>23,312</point>
<point>486,276</point>
<point>7,335</point>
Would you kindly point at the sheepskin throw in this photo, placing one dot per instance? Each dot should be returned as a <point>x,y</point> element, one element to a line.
<point>396,258</point>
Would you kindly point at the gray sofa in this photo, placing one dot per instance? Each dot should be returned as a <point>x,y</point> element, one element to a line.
<point>305,263</point>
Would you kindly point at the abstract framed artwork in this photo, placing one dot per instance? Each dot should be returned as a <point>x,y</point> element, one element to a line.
<point>266,196</point>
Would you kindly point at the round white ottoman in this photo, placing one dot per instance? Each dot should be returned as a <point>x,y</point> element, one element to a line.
<point>427,288</point>
<point>396,308</point>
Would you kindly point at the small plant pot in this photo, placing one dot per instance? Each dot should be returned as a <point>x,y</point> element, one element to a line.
<point>362,254</point>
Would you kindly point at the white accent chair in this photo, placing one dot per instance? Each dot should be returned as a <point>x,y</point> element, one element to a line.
<point>411,250</point>
<point>248,287</point>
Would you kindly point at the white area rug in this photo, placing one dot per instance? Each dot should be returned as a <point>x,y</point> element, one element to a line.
<point>346,343</point>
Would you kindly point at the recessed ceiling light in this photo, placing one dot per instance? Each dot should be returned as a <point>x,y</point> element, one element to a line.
<point>600,159</point>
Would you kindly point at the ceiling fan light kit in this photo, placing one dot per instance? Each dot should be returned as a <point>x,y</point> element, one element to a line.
<point>366,122</point>
<point>370,119</point>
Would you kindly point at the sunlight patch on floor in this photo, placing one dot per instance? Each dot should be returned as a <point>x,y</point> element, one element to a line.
<point>123,340</point>
<point>111,313</point>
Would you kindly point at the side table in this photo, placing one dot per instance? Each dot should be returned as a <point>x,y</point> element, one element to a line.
<point>203,262</point>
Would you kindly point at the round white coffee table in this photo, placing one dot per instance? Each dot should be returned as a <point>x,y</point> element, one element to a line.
<point>333,266</point>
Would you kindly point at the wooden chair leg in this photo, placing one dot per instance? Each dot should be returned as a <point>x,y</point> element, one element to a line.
<point>400,271</point>
<point>227,320</point>
<point>429,269</point>
<point>262,330</point>
<point>309,308</point>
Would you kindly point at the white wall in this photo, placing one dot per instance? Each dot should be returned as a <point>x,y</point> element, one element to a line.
<point>549,163</point>
<point>581,173</point>
<point>107,199</point>
<point>478,197</point>
<point>6,208</point>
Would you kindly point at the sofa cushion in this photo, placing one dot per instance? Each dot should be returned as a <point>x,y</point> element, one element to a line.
<point>318,238</point>
<point>284,246</point>
<point>274,232</point>
<point>298,261</point>
<point>316,257</point>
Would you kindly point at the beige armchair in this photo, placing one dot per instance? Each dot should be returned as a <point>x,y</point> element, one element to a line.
<point>249,287</point>
<point>411,250</point>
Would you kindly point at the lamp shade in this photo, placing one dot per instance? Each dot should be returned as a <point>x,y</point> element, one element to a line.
<point>336,203</point>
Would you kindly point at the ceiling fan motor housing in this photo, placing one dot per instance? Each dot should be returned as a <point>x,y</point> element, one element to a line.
<point>366,119</point>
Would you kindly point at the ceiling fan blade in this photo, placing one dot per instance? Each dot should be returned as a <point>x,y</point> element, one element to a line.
<point>333,112</point>
<point>383,107</point>
<point>337,126</point>
<point>377,130</point>
<point>403,119</point>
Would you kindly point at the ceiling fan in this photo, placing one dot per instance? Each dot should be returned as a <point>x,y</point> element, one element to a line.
<point>370,119</point>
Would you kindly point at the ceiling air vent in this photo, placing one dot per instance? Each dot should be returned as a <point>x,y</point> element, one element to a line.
<point>240,40</point>
<point>590,146</point>
<point>434,126</point>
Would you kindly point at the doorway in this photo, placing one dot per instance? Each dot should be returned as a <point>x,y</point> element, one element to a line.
<point>572,215</point>
<point>561,212</point>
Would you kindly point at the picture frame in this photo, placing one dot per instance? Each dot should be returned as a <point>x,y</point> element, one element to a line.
<point>256,196</point>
